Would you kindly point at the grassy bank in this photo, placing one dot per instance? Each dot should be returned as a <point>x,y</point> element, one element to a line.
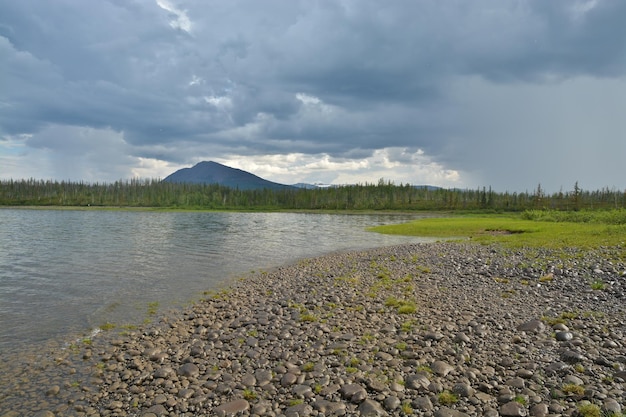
<point>537,228</point>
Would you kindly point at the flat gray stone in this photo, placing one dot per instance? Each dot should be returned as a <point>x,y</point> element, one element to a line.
<point>612,406</point>
<point>158,410</point>
<point>392,403</point>
<point>441,368</point>
<point>299,410</point>
<point>571,356</point>
<point>422,404</point>
<point>330,407</point>
<point>539,410</point>
<point>232,408</point>
<point>463,390</point>
<point>417,381</point>
<point>564,336</point>
<point>513,409</point>
<point>189,370</point>
<point>449,412</point>
<point>534,326</point>
<point>353,392</point>
<point>288,379</point>
<point>371,408</point>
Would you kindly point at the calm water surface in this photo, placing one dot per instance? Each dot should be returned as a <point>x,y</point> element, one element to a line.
<point>63,272</point>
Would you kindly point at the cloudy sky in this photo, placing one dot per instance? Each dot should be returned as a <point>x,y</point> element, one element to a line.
<point>455,93</point>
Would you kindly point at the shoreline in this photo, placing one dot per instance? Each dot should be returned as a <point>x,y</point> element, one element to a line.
<point>384,331</point>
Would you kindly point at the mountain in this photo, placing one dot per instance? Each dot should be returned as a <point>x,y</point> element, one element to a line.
<point>209,172</point>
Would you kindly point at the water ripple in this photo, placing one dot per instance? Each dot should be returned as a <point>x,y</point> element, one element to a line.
<point>63,271</point>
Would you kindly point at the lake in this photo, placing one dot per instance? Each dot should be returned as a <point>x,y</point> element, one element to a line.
<point>64,272</point>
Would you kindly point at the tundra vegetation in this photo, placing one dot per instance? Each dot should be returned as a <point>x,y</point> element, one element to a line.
<point>549,229</point>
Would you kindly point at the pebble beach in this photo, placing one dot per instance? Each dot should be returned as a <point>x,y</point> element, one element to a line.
<point>437,329</point>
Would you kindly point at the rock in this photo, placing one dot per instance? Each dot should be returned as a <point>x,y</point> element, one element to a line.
<point>330,408</point>
<point>539,410</point>
<point>261,408</point>
<point>441,368</point>
<point>463,390</point>
<point>371,408</point>
<point>484,397</point>
<point>556,368</point>
<point>572,379</point>
<point>434,336</point>
<point>158,399</point>
<point>564,336</point>
<point>263,376</point>
<point>417,381</point>
<point>513,409</point>
<point>395,386</point>
<point>248,380</point>
<point>449,412</point>
<point>571,356</point>
<point>354,393</point>
<point>114,405</point>
<point>158,410</point>
<point>532,326</point>
<point>186,393</point>
<point>518,383</point>
<point>422,404</point>
<point>189,370</point>
<point>490,412</point>
<point>461,338</point>
<point>302,391</point>
<point>288,379</point>
<point>299,410</point>
<point>376,385</point>
<point>611,406</point>
<point>232,408</point>
<point>164,372</point>
<point>392,403</point>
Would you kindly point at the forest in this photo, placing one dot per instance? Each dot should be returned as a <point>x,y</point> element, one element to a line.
<point>385,195</point>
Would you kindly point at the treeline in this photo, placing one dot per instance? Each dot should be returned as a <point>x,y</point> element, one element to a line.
<point>381,196</point>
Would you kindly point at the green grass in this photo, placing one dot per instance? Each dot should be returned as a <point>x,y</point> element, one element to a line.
<point>407,326</point>
<point>401,346</point>
<point>573,389</point>
<point>519,230</point>
<point>589,410</point>
<point>520,399</point>
<point>249,395</point>
<point>447,398</point>
<point>308,318</point>
<point>107,326</point>
<point>153,308</point>
<point>597,285</point>
<point>406,408</point>
<point>402,306</point>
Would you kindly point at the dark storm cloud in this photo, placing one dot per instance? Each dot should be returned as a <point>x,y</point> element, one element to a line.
<point>175,80</point>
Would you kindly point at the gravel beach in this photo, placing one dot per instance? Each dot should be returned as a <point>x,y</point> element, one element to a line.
<point>438,329</point>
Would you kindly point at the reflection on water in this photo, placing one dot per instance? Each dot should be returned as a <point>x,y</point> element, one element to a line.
<point>64,271</point>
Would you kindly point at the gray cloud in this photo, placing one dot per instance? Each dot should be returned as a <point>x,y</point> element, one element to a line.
<point>478,87</point>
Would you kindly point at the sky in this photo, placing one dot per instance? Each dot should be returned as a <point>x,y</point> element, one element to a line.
<point>508,94</point>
